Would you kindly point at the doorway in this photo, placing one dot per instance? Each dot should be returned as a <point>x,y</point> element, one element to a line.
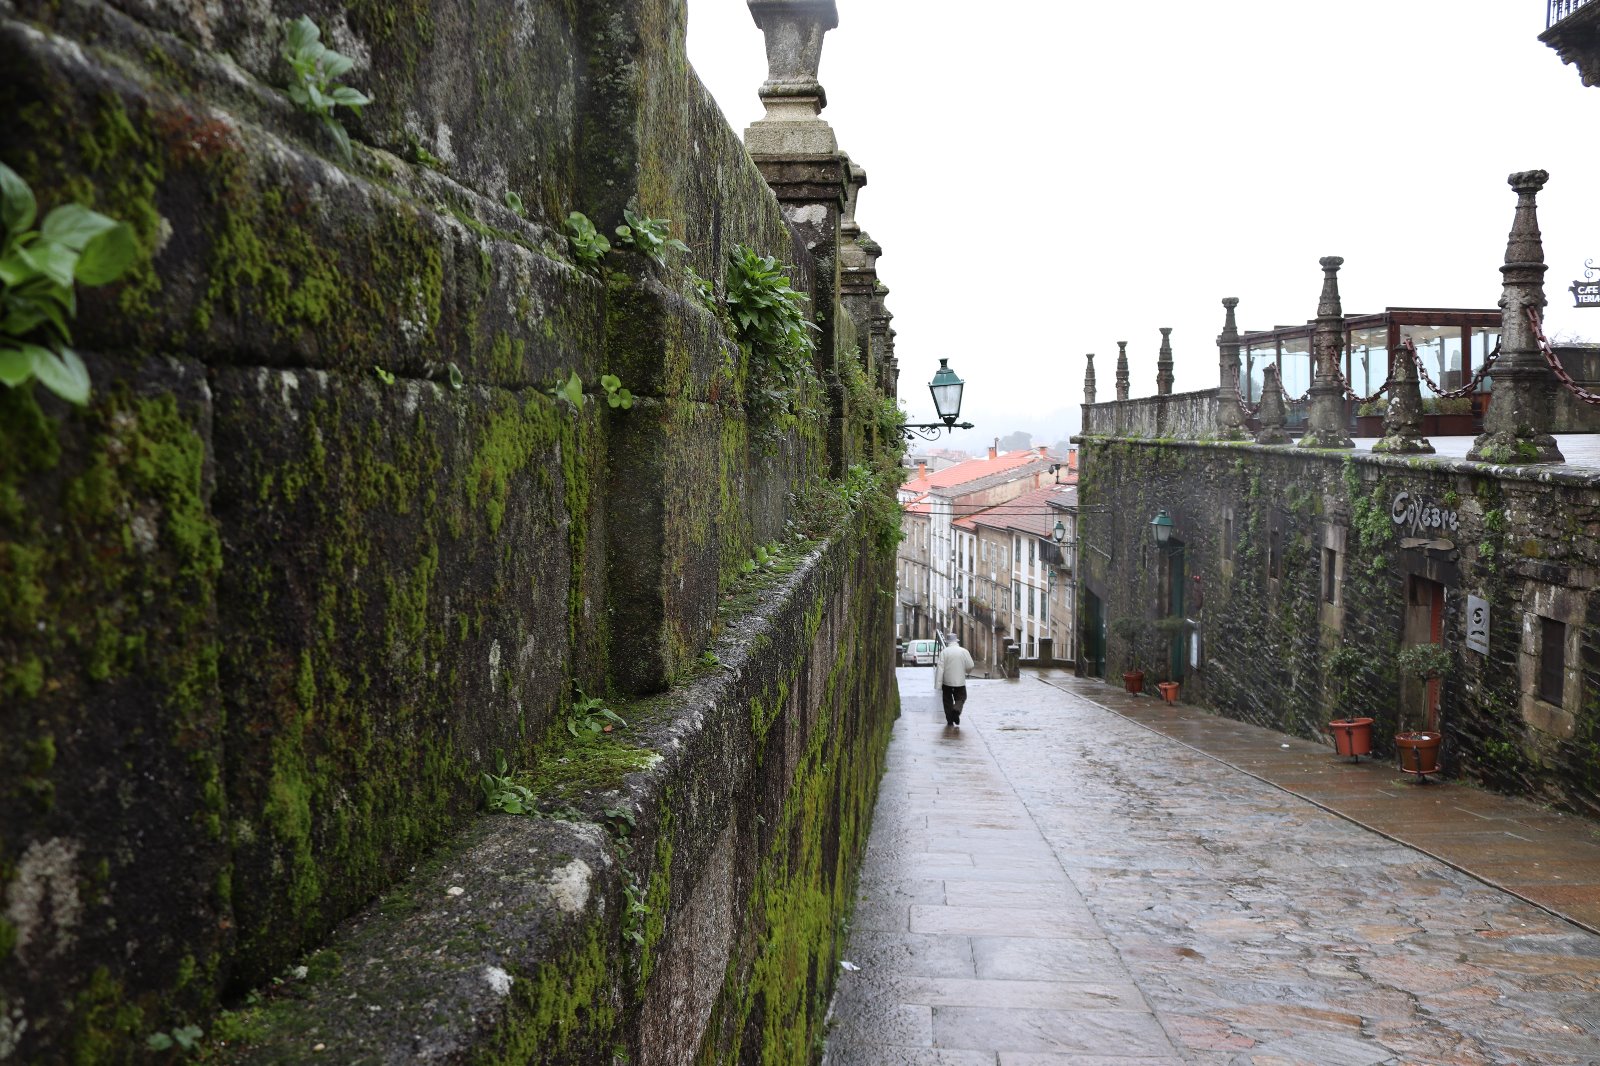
<point>1424,624</point>
<point>1094,636</point>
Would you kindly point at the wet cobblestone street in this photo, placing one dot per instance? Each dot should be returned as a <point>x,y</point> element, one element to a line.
<point>1053,883</point>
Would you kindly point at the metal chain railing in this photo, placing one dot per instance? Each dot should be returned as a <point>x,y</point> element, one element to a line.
<point>1466,390</point>
<point>1555,364</point>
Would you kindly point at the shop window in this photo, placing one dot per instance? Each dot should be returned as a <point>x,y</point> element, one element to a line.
<point>1552,659</point>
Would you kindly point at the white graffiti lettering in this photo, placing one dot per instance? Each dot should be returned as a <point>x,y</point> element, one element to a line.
<point>1422,514</point>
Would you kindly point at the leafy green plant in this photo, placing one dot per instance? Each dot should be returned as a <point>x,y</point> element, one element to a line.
<point>570,390</point>
<point>514,202</point>
<point>616,395</point>
<point>772,327</point>
<point>589,717</point>
<point>588,244</point>
<point>709,658</point>
<point>502,793</point>
<point>186,1037</point>
<point>39,269</point>
<point>633,919</point>
<point>1344,665</point>
<point>456,380</point>
<point>702,288</point>
<point>1424,661</point>
<point>383,375</point>
<point>649,236</point>
<point>317,69</point>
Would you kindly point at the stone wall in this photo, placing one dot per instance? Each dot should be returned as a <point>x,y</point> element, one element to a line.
<point>1184,416</point>
<point>325,544</point>
<point>1258,527</point>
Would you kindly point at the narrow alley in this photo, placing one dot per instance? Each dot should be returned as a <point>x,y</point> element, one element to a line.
<point>1056,884</point>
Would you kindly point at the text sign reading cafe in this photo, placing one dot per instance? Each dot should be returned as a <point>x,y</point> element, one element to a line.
<point>1586,293</point>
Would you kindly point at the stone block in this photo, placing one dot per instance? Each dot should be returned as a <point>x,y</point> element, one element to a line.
<point>114,870</point>
<point>399,605</point>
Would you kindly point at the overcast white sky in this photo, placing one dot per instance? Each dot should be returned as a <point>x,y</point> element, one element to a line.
<point>1048,177</point>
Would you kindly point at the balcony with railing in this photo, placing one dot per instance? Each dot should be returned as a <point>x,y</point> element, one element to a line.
<point>1556,10</point>
<point>1572,28</point>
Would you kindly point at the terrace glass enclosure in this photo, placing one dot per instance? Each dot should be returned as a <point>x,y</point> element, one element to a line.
<point>1452,342</point>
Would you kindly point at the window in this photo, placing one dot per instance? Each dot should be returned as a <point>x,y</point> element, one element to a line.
<point>1031,610</point>
<point>1016,597</point>
<point>1552,660</point>
<point>1274,555</point>
<point>1227,533</point>
<point>1032,545</point>
<point>1330,576</point>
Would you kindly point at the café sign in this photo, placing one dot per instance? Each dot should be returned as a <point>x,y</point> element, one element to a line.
<point>1420,515</point>
<point>1586,293</point>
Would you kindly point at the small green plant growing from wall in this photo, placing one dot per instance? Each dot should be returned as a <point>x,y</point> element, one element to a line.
<point>649,236</point>
<point>616,395</point>
<point>184,1038</point>
<point>589,717</point>
<point>771,325</point>
<point>317,69</point>
<point>39,271</point>
<point>502,793</point>
<point>588,244</point>
<point>514,202</point>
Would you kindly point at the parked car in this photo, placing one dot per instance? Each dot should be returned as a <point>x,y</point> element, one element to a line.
<point>919,652</point>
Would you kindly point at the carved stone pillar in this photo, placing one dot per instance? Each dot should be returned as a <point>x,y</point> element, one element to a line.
<point>1230,419</point>
<point>1325,422</point>
<point>1088,380</point>
<point>858,272</point>
<point>1164,363</point>
<point>1273,413</point>
<point>1516,426</point>
<point>1402,420</point>
<point>797,154</point>
<point>1122,370</point>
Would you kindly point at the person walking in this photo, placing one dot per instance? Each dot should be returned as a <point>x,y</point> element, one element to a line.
<point>950,677</point>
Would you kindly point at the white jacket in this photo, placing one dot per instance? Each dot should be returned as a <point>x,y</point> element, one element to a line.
<point>951,667</point>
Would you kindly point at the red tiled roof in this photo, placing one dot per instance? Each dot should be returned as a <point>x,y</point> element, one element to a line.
<point>1028,513</point>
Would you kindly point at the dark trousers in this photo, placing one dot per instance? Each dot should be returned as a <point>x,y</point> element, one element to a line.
<point>955,696</point>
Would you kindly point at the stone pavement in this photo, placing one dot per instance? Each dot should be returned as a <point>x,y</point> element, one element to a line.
<point>1056,884</point>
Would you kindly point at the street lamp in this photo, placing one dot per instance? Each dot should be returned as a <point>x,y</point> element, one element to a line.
<point>1059,534</point>
<point>946,388</point>
<point>1161,526</point>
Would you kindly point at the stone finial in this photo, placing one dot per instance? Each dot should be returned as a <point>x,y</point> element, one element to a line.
<point>793,97</point>
<point>1164,363</point>
<point>1088,380</point>
<point>1273,413</point>
<point>1516,427</point>
<point>854,183</point>
<point>1402,420</point>
<point>1230,419</point>
<point>1122,370</point>
<point>1327,420</point>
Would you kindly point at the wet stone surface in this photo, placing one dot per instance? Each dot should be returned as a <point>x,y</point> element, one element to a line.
<point>1054,884</point>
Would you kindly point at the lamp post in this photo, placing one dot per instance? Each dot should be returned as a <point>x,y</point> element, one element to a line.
<point>1161,526</point>
<point>946,388</point>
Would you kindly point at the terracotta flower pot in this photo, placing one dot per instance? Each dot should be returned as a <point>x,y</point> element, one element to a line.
<point>1352,736</point>
<point>1419,752</point>
<point>1133,681</point>
<point>1169,690</point>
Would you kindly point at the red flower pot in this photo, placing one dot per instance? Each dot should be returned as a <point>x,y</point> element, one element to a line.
<point>1133,681</point>
<point>1169,690</point>
<point>1352,736</point>
<point>1419,752</point>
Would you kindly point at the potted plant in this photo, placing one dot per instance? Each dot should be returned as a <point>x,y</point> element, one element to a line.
<point>1131,632</point>
<point>1171,628</point>
<point>1419,749</point>
<point>1352,735</point>
<point>1369,418</point>
<point>1447,416</point>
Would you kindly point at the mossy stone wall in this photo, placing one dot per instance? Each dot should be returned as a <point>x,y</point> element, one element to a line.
<point>1256,525</point>
<point>266,612</point>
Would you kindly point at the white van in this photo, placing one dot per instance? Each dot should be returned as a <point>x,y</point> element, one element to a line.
<point>919,652</point>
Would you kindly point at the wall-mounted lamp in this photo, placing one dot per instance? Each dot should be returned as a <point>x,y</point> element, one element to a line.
<point>946,388</point>
<point>1059,533</point>
<point>1161,526</point>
